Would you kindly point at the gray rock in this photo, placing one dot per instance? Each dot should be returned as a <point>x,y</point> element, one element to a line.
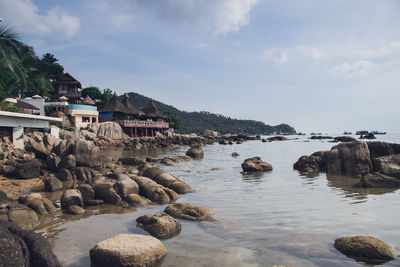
<point>107,129</point>
<point>127,250</point>
<point>87,153</point>
<point>52,162</point>
<point>153,191</point>
<point>104,189</point>
<point>389,165</point>
<point>159,225</point>
<point>23,216</point>
<point>124,185</point>
<point>137,200</point>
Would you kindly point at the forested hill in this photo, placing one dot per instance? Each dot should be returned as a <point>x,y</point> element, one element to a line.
<point>197,122</point>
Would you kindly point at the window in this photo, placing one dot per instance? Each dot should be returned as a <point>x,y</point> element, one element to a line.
<point>85,119</point>
<point>93,120</point>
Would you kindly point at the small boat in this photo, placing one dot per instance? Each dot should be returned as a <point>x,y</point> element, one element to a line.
<point>362,132</point>
<point>347,133</point>
<point>378,132</point>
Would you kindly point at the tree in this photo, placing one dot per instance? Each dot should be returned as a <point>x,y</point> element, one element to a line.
<point>50,67</point>
<point>92,91</point>
<point>174,122</point>
<point>107,95</point>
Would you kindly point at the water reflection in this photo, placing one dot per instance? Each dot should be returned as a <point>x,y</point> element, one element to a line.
<point>253,177</point>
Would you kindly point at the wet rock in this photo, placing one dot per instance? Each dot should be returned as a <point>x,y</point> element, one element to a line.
<point>166,179</point>
<point>3,195</point>
<point>153,191</point>
<point>87,153</point>
<point>189,212</point>
<point>65,177</point>
<point>87,191</point>
<point>235,154</point>
<point>104,189</point>
<point>71,197</point>
<point>52,184</point>
<point>93,202</point>
<point>127,250</point>
<point>222,142</point>
<point>24,248</point>
<point>277,138</point>
<point>28,170</point>
<point>256,164</point>
<point>320,137</point>
<point>195,152</point>
<point>74,209</point>
<point>365,247</point>
<point>159,225</point>
<point>312,164</point>
<point>137,200</point>
<point>351,159</point>
<point>167,161</point>
<point>344,139</point>
<point>124,185</point>
<point>389,165</point>
<point>380,149</point>
<point>84,174</point>
<point>379,180</point>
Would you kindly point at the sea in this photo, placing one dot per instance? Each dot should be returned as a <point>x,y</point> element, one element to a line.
<point>274,218</point>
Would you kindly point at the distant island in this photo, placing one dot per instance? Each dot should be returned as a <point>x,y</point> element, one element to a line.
<point>198,121</point>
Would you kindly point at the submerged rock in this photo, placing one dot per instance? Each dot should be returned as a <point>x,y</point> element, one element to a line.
<point>365,247</point>
<point>189,212</point>
<point>127,250</point>
<point>256,164</point>
<point>235,154</point>
<point>195,152</point>
<point>160,225</point>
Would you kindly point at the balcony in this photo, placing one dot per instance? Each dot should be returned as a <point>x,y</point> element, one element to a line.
<point>143,124</point>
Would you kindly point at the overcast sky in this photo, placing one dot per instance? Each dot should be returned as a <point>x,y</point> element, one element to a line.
<point>325,66</point>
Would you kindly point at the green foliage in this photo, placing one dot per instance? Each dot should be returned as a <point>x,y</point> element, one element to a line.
<point>107,95</point>
<point>174,122</point>
<point>95,93</point>
<point>4,106</point>
<point>198,121</point>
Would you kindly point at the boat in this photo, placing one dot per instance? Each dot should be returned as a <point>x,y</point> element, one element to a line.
<point>362,132</point>
<point>347,133</point>
<point>378,132</point>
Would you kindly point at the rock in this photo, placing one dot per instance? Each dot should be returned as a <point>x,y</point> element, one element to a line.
<point>38,203</point>
<point>39,148</point>
<point>3,195</point>
<point>74,209</point>
<point>50,141</point>
<point>344,139</point>
<point>93,202</point>
<point>137,200</point>
<point>222,142</point>
<point>159,225</point>
<point>277,138</point>
<point>65,124</point>
<point>366,247</point>
<point>264,140</point>
<point>166,179</point>
<point>256,164</point>
<point>389,165</point>
<point>195,152</point>
<point>52,184</point>
<point>380,149</point>
<point>28,170</point>
<point>235,154</point>
<point>87,154</point>
<point>368,136</point>
<point>52,162</point>
<point>64,148</point>
<point>167,161</point>
<point>107,129</point>
<point>65,176</point>
<point>71,197</point>
<point>85,174</point>
<point>127,250</point>
<point>87,191</point>
<point>133,161</point>
<point>312,164</point>
<point>68,162</point>
<point>23,216</point>
<point>379,180</point>
<point>153,191</point>
<point>210,133</point>
<point>153,160</point>
<point>351,159</point>
<point>104,189</point>
<point>320,137</point>
<point>24,248</point>
<point>124,185</point>
<point>189,212</point>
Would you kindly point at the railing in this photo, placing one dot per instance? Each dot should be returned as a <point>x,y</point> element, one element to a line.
<point>136,123</point>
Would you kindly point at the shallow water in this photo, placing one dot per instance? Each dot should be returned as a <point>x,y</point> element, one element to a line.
<point>278,217</point>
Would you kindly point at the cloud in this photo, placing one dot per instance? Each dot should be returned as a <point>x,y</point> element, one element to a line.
<point>358,68</point>
<point>277,56</point>
<point>217,16</point>
<point>24,14</point>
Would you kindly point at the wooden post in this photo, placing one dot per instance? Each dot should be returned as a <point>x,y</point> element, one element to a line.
<point>131,131</point>
<point>135,132</point>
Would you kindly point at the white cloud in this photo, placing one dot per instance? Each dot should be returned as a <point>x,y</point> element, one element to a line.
<point>218,16</point>
<point>277,56</point>
<point>24,14</point>
<point>358,68</point>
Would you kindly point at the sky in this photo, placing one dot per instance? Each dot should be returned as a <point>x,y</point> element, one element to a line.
<point>322,66</point>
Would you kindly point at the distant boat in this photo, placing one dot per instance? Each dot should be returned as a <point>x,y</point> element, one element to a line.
<point>362,132</point>
<point>378,132</point>
<point>313,133</point>
<point>347,133</point>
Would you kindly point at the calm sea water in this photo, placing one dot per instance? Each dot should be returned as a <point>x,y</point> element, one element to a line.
<point>278,217</point>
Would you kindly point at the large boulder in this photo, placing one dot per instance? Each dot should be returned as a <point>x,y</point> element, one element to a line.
<point>389,165</point>
<point>38,203</point>
<point>312,164</point>
<point>365,247</point>
<point>166,179</point>
<point>87,191</point>
<point>153,191</point>
<point>159,225</point>
<point>379,180</point>
<point>24,248</point>
<point>65,124</point>
<point>256,165</point>
<point>277,138</point>
<point>22,216</point>
<point>87,153</point>
<point>71,197</point>
<point>124,185</point>
<point>189,212</point>
<point>351,159</point>
<point>28,170</point>
<point>107,129</point>
<point>104,189</point>
<point>210,133</point>
<point>195,152</point>
<point>125,250</point>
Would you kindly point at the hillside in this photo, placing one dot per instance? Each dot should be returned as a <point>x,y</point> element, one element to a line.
<point>198,121</point>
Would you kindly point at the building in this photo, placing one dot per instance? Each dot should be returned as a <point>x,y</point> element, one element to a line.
<point>67,86</point>
<point>134,122</point>
<point>81,115</point>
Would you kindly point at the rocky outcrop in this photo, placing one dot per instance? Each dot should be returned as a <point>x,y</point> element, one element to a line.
<point>379,180</point>
<point>166,179</point>
<point>159,225</point>
<point>256,165</point>
<point>108,129</point>
<point>87,153</point>
<point>189,212</point>
<point>195,152</point>
<point>127,250</point>
<point>389,165</point>
<point>153,191</point>
<point>365,247</point>
<point>65,124</point>
<point>24,248</point>
<point>344,139</point>
<point>312,164</point>
<point>137,200</point>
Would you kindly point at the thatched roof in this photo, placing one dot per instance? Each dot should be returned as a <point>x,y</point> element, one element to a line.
<point>151,110</point>
<point>67,78</point>
<point>25,105</point>
<point>115,106</point>
<point>129,105</point>
<point>88,101</point>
